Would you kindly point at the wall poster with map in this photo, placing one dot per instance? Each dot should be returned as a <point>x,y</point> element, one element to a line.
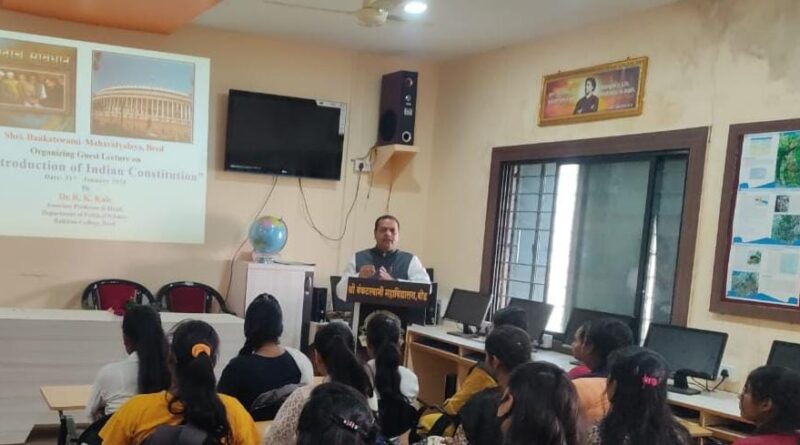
<point>762,264</point>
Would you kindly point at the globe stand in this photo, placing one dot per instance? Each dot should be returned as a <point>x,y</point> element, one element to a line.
<point>266,258</point>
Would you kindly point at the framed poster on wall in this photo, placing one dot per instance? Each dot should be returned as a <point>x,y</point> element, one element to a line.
<point>757,270</point>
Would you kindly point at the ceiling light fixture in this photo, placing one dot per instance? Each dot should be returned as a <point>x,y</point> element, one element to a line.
<point>415,7</point>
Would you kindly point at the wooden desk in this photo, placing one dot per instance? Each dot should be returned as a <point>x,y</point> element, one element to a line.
<point>433,354</point>
<point>42,347</point>
<point>66,398</point>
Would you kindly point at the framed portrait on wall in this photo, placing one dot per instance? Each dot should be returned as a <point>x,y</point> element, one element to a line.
<point>599,92</point>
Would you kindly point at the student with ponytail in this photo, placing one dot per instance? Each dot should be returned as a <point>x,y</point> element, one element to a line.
<point>143,371</point>
<point>771,400</point>
<point>640,413</point>
<point>392,381</point>
<point>333,355</point>
<point>263,364</point>
<point>191,400</point>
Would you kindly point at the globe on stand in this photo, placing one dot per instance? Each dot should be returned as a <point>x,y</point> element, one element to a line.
<point>268,236</point>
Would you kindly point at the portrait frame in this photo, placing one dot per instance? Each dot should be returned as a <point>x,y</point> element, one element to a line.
<point>562,92</point>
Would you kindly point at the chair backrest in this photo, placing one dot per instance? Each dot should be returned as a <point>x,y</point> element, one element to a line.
<point>396,416</point>
<point>114,294</point>
<point>188,296</point>
<point>178,435</point>
<point>266,405</point>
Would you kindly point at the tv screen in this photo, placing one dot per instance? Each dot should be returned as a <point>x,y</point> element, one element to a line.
<point>283,135</point>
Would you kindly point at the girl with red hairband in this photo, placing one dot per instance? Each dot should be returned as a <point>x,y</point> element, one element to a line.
<point>639,414</point>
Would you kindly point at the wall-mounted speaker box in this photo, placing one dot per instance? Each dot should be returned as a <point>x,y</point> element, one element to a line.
<point>398,108</point>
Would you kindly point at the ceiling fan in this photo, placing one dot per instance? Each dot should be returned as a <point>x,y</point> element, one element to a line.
<point>372,13</point>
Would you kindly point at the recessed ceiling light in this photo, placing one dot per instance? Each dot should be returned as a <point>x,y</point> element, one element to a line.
<point>415,7</point>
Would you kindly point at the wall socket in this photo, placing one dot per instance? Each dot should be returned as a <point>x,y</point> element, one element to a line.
<point>361,165</point>
<point>732,377</point>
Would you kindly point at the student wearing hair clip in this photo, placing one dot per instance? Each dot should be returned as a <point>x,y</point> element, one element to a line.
<point>191,400</point>
<point>639,414</point>
<point>336,414</point>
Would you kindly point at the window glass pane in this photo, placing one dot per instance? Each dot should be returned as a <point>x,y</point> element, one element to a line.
<point>547,203</point>
<point>541,275</point>
<point>523,252</point>
<point>545,220</point>
<point>519,290</point>
<point>527,203</point>
<point>538,292</point>
<point>530,184</point>
<point>549,184</point>
<point>609,235</point>
<point>520,272</point>
<point>542,248</point>
<point>550,168</point>
<point>530,169</point>
<point>525,220</point>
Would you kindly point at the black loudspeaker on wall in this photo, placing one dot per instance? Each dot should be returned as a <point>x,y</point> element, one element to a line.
<point>398,108</point>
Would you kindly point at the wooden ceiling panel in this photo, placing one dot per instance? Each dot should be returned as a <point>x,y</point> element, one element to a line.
<point>160,16</point>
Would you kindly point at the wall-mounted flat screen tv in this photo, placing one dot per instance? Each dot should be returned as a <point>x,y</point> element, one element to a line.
<point>281,135</point>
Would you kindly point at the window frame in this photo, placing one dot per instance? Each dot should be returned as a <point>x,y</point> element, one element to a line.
<point>693,141</point>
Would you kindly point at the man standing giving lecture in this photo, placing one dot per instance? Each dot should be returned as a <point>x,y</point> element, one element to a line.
<point>384,261</point>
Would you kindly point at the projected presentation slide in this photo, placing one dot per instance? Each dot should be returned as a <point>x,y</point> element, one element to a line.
<point>101,142</point>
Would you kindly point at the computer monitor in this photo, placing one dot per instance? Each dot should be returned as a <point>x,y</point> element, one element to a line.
<point>688,352</point>
<point>467,307</point>
<point>785,354</point>
<point>339,305</point>
<point>538,314</point>
<point>579,316</point>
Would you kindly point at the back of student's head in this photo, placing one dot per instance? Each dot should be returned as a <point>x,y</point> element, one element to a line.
<point>778,387</point>
<point>544,407</point>
<point>335,346</point>
<point>639,410</point>
<point>194,350</point>
<point>510,345</point>
<point>383,338</point>
<point>336,414</point>
<point>263,323</point>
<point>141,325</point>
<point>511,315</point>
<point>604,336</point>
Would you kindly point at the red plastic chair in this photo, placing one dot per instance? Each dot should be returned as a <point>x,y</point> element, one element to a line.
<point>113,294</point>
<point>188,296</point>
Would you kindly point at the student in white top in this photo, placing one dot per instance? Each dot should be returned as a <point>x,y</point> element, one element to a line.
<point>383,344</point>
<point>333,356</point>
<point>143,371</point>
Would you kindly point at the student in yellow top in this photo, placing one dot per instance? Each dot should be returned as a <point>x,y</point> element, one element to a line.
<point>192,399</point>
<point>506,348</point>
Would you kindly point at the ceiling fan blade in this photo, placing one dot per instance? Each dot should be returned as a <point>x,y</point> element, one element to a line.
<point>396,19</point>
<point>306,7</point>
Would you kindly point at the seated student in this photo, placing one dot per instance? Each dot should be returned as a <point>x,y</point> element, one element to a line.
<point>192,398</point>
<point>771,400</point>
<point>396,386</point>
<point>540,407</point>
<point>143,371</point>
<point>580,370</point>
<point>383,345</point>
<point>511,315</point>
<point>639,414</point>
<point>263,364</point>
<point>336,414</point>
<point>506,348</point>
<point>479,423</point>
<point>334,357</point>
<point>601,338</point>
